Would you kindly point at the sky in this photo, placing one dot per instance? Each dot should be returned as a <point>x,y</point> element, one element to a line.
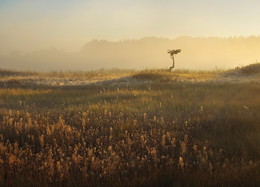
<point>27,25</point>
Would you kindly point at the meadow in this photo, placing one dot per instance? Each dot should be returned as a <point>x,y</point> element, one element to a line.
<point>130,128</point>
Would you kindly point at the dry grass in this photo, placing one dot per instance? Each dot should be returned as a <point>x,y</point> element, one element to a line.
<point>12,73</point>
<point>250,70</point>
<point>158,129</point>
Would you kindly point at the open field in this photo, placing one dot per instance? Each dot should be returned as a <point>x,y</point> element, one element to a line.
<point>129,128</point>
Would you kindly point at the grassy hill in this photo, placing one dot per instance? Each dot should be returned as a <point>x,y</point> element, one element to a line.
<point>250,70</point>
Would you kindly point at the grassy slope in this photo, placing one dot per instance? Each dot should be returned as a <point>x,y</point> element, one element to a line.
<point>157,128</point>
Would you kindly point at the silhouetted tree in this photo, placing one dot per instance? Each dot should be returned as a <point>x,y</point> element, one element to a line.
<point>172,53</point>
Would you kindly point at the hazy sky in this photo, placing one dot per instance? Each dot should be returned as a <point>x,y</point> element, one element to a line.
<point>69,24</point>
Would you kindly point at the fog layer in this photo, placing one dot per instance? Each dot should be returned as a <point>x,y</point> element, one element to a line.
<point>149,52</point>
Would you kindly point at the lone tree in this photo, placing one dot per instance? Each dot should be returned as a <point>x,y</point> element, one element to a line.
<point>172,53</point>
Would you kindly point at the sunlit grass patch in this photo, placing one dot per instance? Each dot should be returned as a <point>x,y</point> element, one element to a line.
<point>96,74</point>
<point>177,75</point>
<point>153,75</point>
<point>22,92</point>
<point>198,75</point>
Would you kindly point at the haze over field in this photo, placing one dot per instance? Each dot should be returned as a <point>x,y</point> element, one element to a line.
<point>84,35</point>
<point>150,52</point>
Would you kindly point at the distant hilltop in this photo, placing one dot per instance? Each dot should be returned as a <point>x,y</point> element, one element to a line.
<point>198,53</point>
<point>148,52</point>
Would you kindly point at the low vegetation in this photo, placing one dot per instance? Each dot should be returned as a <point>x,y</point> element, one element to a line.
<point>148,128</point>
<point>250,70</point>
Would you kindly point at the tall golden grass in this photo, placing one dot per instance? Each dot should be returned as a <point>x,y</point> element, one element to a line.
<point>142,133</point>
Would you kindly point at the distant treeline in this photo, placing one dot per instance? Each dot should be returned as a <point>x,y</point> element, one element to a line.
<point>149,52</point>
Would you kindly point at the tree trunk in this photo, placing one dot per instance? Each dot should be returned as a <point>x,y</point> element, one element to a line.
<point>170,69</point>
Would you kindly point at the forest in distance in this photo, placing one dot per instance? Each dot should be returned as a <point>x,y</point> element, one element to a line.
<point>149,52</point>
